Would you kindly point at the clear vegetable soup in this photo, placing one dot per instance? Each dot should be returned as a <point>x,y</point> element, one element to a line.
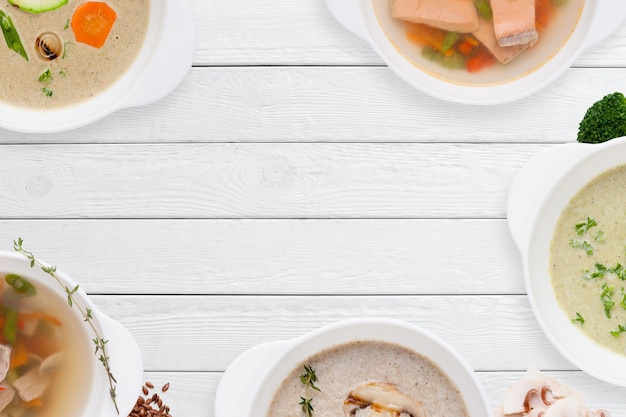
<point>45,355</point>
<point>478,41</point>
<point>58,53</point>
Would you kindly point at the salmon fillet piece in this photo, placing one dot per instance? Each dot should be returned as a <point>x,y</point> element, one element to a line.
<point>487,36</point>
<point>452,15</point>
<point>514,22</point>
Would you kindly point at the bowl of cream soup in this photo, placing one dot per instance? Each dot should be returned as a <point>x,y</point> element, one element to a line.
<point>67,63</point>
<point>566,215</point>
<point>51,347</point>
<point>475,52</point>
<point>349,366</point>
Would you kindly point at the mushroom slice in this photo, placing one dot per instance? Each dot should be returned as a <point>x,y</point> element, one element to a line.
<point>52,363</point>
<point>379,399</point>
<point>31,385</point>
<point>5,361</point>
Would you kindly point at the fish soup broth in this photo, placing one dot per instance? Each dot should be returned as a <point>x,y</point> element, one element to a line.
<point>75,71</point>
<point>555,26</point>
<point>46,359</point>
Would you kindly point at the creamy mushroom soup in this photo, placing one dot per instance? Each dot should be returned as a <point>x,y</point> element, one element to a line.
<point>70,53</point>
<point>351,377</point>
<point>588,259</point>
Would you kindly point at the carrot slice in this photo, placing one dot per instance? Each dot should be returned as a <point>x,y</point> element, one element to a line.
<point>92,21</point>
<point>20,354</point>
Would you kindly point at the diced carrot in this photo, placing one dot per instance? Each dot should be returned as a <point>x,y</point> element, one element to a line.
<point>20,354</point>
<point>480,60</point>
<point>37,402</point>
<point>465,47</point>
<point>544,11</point>
<point>426,36</point>
<point>92,21</point>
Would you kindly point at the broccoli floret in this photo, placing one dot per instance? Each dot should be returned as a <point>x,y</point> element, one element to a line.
<point>604,120</point>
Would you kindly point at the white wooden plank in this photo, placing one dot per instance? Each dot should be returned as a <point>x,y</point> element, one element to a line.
<point>254,180</point>
<point>322,104</point>
<point>254,32</point>
<point>277,256</point>
<point>205,333</point>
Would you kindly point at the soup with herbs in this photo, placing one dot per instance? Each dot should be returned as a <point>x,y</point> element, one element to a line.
<point>588,260</point>
<point>364,378</point>
<point>45,355</point>
<point>478,41</point>
<point>62,52</point>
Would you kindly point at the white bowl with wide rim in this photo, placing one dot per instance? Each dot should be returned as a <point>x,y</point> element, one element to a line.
<point>523,76</point>
<point>538,196</point>
<point>124,355</point>
<point>164,60</point>
<point>239,394</point>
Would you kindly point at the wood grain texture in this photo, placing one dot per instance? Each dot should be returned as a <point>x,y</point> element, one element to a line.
<point>205,333</point>
<point>259,180</point>
<point>249,257</point>
<point>338,104</point>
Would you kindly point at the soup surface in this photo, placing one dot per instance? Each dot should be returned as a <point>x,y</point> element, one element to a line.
<point>468,62</point>
<point>80,71</point>
<point>588,259</point>
<point>45,352</point>
<point>341,369</point>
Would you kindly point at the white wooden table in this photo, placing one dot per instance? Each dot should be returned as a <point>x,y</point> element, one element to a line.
<point>292,180</point>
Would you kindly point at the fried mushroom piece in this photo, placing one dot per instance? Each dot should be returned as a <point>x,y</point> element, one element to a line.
<point>378,399</point>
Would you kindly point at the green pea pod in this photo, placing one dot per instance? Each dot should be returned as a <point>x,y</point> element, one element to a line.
<point>10,326</point>
<point>484,9</point>
<point>449,40</point>
<point>11,36</point>
<point>20,285</point>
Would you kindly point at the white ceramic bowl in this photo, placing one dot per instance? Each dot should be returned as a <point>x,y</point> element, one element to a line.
<point>125,358</point>
<point>539,194</point>
<point>164,60</point>
<point>239,394</point>
<point>524,75</point>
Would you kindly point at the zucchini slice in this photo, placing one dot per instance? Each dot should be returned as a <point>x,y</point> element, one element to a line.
<point>38,6</point>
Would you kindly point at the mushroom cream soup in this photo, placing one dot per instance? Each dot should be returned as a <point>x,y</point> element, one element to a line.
<point>45,353</point>
<point>588,259</point>
<point>69,54</point>
<point>353,376</point>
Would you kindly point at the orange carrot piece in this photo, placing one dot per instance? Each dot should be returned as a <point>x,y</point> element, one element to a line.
<point>480,60</point>
<point>20,354</point>
<point>426,36</point>
<point>92,21</point>
<point>465,47</point>
<point>37,402</point>
<point>23,316</point>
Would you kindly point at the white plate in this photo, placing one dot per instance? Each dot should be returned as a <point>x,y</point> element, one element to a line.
<point>522,76</point>
<point>539,194</point>
<point>249,383</point>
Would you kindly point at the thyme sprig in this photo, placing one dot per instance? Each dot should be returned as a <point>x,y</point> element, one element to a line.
<point>308,379</point>
<point>86,313</point>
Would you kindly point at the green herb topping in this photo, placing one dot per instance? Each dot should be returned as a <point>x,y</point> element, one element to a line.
<point>582,228</point>
<point>308,379</point>
<point>578,319</point>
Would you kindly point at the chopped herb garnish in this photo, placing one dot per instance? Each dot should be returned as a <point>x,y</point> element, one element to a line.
<point>623,302</point>
<point>599,272</point>
<point>620,329</point>
<point>599,237</point>
<point>582,244</point>
<point>65,48</point>
<point>62,73</point>
<point>308,379</point>
<point>607,299</point>
<point>47,92</point>
<point>67,24</point>
<point>582,228</point>
<point>578,319</point>
<point>46,76</point>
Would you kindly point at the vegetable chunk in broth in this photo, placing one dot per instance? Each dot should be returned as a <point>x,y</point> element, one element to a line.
<point>62,52</point>
<point>45,355</point>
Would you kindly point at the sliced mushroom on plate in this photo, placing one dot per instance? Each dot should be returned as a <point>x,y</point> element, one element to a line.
<point>378,399</point>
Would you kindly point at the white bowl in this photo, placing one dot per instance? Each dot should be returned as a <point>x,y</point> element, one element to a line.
<point>164,60</point>
<point>125,358</point>
<point>519,78</point>
<point>239,394</point>
<point>539,194</point>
